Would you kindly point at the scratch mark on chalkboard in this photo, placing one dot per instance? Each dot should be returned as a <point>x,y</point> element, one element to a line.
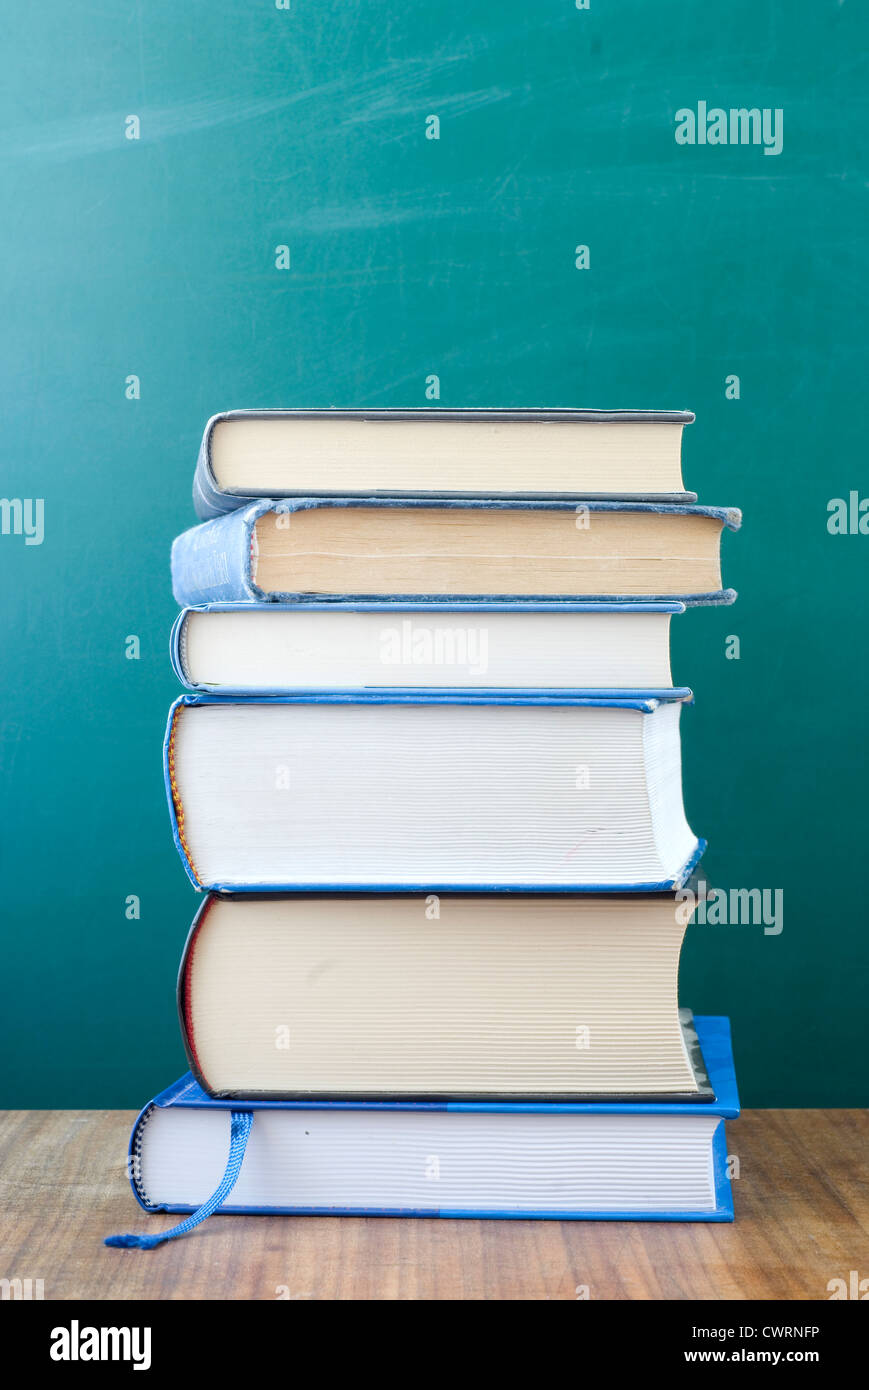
<point>393,92</point>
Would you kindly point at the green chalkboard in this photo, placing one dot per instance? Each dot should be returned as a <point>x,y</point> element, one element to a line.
<point>154,158</point>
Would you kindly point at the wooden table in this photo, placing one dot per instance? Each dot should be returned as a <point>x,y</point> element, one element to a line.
<point>802,1219</point>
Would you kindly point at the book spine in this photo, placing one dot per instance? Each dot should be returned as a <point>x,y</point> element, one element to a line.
<point>208,500</point>
<point>173,796</point>
<point>176,648</point>
<point>182,990</point>
<point>211,562</point>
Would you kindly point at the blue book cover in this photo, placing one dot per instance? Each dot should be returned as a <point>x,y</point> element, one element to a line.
<point>202,878</point>
<point>638,1161</point>
<point>414,612</point>
<point>215,561</point>
<point>210,499</point>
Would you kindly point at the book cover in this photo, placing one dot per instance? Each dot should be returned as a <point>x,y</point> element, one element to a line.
<point>213,562</point>
<point>429,883</point>
<point>460,615</point>
<point>210,499</point>
<point>187,1095</point>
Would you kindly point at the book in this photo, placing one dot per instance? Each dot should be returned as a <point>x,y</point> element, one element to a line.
<point>432,791</point>
<point>270,648</point>
<point>406,997</point>
<point>305,453</point>
<point>430,778</point>
<point>664,1161</point>
<point>342,548</point>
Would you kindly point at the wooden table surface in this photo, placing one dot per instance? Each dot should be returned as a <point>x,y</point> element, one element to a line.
<point>802,1219</point>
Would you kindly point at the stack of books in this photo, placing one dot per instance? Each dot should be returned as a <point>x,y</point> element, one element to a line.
<point>429,779</point>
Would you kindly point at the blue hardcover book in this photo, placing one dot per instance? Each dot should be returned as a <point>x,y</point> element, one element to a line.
<point>247,454</point>
<point>593,1161</point>
<point>345,548</point>
<point>616,649</point>
<point>431,791</point>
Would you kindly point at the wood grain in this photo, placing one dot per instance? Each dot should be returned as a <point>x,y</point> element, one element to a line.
<point>802,1219</point>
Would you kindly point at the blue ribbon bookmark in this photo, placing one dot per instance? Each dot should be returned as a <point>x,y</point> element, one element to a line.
<point>239,1129</point>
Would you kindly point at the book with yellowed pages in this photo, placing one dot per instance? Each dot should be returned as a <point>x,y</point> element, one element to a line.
<point>340,548</point>
<point>421,997</point>
<point>247,454</point>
